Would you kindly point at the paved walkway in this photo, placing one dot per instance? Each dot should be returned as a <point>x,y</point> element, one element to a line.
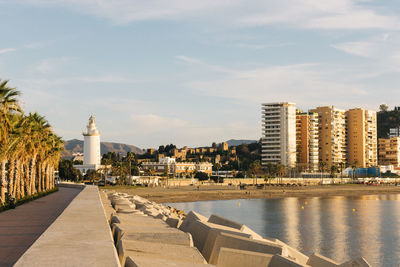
<point>20,227</point>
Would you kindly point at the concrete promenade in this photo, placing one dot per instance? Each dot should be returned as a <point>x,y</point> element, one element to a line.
<point>80,236</point>
<point>21,227</point>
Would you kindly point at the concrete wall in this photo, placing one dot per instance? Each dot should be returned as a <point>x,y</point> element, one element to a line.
<point>80,236</point>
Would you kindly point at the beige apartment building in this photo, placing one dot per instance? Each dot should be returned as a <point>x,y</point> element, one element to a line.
<point>362,138</point>
<point>279,134</point>
<point>332,135</point>
<point>389,151</point>
<point>307,141</point>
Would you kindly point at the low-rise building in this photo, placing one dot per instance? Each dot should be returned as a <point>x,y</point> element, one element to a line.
<point>169,166</point>
<point>224,146</point>
<point>389,151</point>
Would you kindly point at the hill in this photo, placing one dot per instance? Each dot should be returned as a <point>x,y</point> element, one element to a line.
<point>387,119</point>
<point>235,142</point>
<point>75,145</point>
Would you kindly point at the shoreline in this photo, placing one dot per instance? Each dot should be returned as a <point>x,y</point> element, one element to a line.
<point>206,193</point>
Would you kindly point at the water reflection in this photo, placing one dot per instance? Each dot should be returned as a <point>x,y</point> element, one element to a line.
<point>337,227</point>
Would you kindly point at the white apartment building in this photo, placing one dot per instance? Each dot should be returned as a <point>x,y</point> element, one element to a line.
<point>279,134</point>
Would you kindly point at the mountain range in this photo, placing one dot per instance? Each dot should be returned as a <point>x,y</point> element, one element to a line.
<point>75,146</point>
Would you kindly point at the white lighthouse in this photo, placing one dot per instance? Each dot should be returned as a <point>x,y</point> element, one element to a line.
<point>91,144</point>
<point>91,148</point>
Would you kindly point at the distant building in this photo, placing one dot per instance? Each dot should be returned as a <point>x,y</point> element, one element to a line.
<point>224,146</point>
<point>279,134</point>
<point>217,158</point>
<point>394,132</point>
<point>389,151</point>
<point>169,165</point>
<point>151,151</point>
<point>77,156</point>
<point>91,148</point>
<point>332,135</point>
<point>179,154</point>
<point>307,141</point>
<point>362,138</point>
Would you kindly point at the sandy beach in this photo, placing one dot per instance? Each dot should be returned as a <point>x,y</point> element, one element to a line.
<point>194,193</point>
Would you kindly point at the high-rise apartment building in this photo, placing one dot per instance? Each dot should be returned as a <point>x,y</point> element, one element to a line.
<point>389,151</point>
<point>362,138</point>
<point>332,135</point>
<point>307,141</point>
<point>279,134</point>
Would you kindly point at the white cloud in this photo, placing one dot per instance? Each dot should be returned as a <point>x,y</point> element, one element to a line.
<point>150,123</point>
<point>106,78</point>
<point>363,49</point>
<point>49,65</point>
<point>338,14</point>
<point>306,84</point>
<point>383,50</point>
<point>7,50</point>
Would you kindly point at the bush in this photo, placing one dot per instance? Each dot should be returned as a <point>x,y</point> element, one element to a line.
<point>202,176</point>
<point>240,175</point>
<point>9,205</point>
<point>216,180</point>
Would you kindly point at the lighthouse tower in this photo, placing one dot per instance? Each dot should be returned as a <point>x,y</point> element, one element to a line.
<point>91,144</point>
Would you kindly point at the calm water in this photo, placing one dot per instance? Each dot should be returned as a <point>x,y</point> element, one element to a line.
<point>337,227</point>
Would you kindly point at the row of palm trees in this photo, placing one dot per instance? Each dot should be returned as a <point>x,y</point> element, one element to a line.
<point>29,149</point>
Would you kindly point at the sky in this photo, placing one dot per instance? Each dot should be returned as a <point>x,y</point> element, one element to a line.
<point>195,72</point>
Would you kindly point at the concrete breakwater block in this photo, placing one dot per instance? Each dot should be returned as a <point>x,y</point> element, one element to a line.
<point>123,229</point>
<point>174,221</point>
<point>224,221</point>
<point>137,219</point>
<point>178,253</point>
<point>229,223</point>
<point>124,206</point>
<point>359,262</point>
<point>212,236</point>
<point>201,229</point>
<point>182,239</point>
<point>291,252</point>
<point>282,261</point>
<point>238,258</point>
<point>122,203</point>
<point>190,217</point>
<point>242,243</point>
<point>317,260</point>
<point>153,262</point>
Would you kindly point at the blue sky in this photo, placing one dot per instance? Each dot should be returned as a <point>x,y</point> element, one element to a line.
<point>193,72</point>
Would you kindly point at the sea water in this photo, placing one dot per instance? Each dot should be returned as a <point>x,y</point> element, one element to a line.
<point>340,228</point>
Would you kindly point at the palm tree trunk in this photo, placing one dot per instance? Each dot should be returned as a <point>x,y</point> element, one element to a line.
<point>3,181</point>
<point>39,176</point>
<point>44,188</point>
<point>11,175</point>
<point>22,181</point>
<point>17,184</point>
<point>33,176</point>
<point>47,177</point>
<point>28,178</point>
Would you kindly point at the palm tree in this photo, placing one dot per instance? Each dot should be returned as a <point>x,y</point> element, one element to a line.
<point>8,105</point>
<point>130,157</point>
